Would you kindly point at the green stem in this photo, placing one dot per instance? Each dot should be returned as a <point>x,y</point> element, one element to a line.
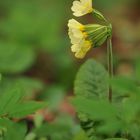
<point>110,65</point>
<point>100,16</point>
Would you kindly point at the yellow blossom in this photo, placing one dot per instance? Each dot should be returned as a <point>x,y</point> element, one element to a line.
<point>81,48</point>
<point>75,31</point>
<point>83,37</point>
<point>82,7</point>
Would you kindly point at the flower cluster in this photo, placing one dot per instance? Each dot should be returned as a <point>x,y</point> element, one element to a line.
<point>83,37</point>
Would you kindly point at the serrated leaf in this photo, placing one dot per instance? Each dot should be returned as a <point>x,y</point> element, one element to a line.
<point>23,109</point>
<point>95,109</point>
<point>11,104</point>
<point>8,100</point>
<point>91,80</point>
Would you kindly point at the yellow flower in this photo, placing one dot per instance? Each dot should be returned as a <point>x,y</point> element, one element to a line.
<point>82,7</point>
<point>80,46</point>
<point>83,37</point>
<point>75,31</point>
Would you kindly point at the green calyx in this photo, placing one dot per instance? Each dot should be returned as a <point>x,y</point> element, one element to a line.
<point>97,33</point>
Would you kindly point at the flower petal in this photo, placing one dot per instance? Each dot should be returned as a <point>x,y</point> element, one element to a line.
<point>82,7</point>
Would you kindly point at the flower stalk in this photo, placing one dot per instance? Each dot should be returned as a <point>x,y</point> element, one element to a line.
<point>84,37</point>
<point>110,65</point>
<point>100,16</point>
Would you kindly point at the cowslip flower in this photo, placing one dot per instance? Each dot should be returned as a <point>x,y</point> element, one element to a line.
<point>83,37</point>
<point>81,48</point>
<point>82,7</point>
<point>75,31</point>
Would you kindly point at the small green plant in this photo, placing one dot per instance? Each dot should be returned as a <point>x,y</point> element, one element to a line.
<point>13,109</point>
<point>108,107</point>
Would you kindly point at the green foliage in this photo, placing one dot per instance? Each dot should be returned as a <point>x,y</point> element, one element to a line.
<point>91,81</point>
<point>15,58</point>
<point>81,136</point>
<point>103,110</point>
<point>26,30</point>
<point>23,109</point>
<point>56,130</point>
<point>112,121</point>
<point>12,131</point>
<point>8,100</point>
<point>55,96</point>
<point>30,86</point>
<point>29,40</point>
<point>12,105</point>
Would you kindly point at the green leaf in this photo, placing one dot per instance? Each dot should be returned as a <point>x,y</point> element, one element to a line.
<point>31,136</point>
<point>96,110</point>
<point>28,85</point>
<point>23,109</point>
<point>48,129</point>
<point>124,84</point>
<point>80,136</point>
<point>11,104</point>
<point>61,128</point>
<point>8,100</point>
<point>13,131</point>
<point>91,80</point>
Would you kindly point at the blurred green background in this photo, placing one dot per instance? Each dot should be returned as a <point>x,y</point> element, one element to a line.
<point>35,48</point>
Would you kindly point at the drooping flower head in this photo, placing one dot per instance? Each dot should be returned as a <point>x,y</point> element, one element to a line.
<point>83,37</point>
<point>80,45</point>
<point>82,7</point>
